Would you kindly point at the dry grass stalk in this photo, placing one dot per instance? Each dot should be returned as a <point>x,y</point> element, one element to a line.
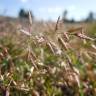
<point>82,36</point>
<point>7,93</point>
<point>50,47</point>
<point>63,43</point>
<point>87,55</point>
<point>72,78</point>
<point>84,40</point>
<point>40,39</point>
<point>79,33</point>
<point>30,18</point>
<point>56,49</point>
<point>93,46</point>
<point>56,27</point>
<point>25,32</point>
<point>32,57</point>
<point>66,36</point>
<point>69,62</point>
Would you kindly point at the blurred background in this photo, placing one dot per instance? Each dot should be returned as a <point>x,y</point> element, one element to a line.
<point>70,10</point>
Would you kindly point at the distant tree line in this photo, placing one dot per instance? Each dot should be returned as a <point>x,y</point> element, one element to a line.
<point>24,14</point>
<point>89,18</point>
<point>65,18</point>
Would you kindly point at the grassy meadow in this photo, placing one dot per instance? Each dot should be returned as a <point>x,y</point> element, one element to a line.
<point>39,58</point>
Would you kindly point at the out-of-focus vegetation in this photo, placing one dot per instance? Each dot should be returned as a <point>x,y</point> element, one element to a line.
<point>90,18</point>
<point>24,14</point>
<point>47,59</point>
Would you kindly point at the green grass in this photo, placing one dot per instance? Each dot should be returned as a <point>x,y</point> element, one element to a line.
<point>21,72</point>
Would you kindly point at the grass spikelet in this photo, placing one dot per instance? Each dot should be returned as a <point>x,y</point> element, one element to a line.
<point>66,36</point>
<point>25,32</point>
<point>56,27</point>
<point>63,43</point>
<point>50,47</point>
<point>30,18</point>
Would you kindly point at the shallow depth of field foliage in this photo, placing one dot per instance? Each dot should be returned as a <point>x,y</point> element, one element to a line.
<point>47,61</point>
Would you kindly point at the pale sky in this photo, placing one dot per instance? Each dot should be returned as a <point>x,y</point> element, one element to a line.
<point>49,9</point>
